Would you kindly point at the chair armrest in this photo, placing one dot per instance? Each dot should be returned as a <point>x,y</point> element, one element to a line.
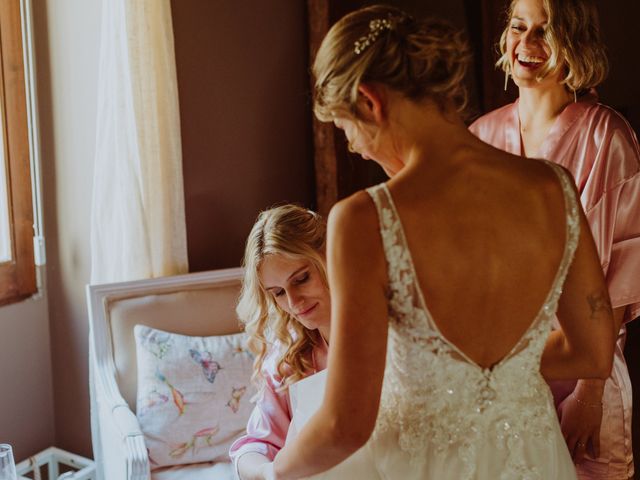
<point>118,442</point>
<point>123,449</point>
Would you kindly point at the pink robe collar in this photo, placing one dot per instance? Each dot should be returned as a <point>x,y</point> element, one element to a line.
<point>561,125</point>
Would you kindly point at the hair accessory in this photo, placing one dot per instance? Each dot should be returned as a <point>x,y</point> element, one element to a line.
<point>376,27</point>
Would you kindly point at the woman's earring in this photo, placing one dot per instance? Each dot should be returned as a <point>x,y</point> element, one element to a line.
<point>506,79</point>
<point>575,97</point>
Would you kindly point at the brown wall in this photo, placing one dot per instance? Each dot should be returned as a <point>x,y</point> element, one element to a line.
<point>67,41</point>
<point>245,118</point>
<point>26,385</point>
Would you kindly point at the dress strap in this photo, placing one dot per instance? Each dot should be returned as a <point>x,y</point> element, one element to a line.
<point>572,214</point>
<point>387,219</point>
<point>405,296</point>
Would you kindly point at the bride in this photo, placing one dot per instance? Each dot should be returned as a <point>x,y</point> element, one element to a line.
<point>444,280</point>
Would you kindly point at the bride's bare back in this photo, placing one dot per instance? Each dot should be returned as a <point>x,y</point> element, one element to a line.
<point>486,237</point>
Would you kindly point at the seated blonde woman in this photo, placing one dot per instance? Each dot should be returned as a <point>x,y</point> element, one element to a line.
<point>285,306</point>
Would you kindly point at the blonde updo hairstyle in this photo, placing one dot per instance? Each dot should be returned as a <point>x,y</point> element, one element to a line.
<point>417,58</point>
<point>297,233</point>
<point>573,36</point>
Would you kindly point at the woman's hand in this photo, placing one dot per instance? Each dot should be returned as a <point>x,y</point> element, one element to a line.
<point>581,418</point>
<point>254,466</point>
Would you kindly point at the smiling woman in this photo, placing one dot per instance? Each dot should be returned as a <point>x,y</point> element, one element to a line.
<point>286,308</point>
<point>566,50</point>
<point>298,289</point>
<point>554,52</point>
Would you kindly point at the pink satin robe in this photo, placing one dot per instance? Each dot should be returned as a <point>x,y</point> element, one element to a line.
<point>269,422</point>
<point>597,145</point>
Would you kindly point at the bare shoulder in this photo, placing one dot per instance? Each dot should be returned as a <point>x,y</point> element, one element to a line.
<point>353,214</point>
<point>536,174</point>
<point>354,236</point>
<point>548,174</point>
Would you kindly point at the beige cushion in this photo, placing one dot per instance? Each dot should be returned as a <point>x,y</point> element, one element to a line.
<point>198,311</point>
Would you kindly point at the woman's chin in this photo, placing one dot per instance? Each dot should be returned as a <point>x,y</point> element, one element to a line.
<point>308,323</point>
<point>526,81</point>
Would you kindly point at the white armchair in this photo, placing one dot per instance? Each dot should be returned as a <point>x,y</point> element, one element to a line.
<point>207,299</point>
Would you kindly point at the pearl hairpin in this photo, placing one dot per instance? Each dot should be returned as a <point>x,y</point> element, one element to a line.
<point>376,27</point>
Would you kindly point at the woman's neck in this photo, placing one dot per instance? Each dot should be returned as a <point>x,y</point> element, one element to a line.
<point>426,131</point>
<point>324,333</point>
<point>539,107</point>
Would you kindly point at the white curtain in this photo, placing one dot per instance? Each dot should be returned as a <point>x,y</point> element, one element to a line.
<point>137,215</point>
<point>137,218</point>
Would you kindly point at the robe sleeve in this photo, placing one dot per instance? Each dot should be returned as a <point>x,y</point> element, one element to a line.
<point>268,424</point>
<point>623,271</point>
<point>615,218</point>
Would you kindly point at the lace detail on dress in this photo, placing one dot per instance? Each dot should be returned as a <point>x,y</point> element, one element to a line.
<point>434,397</point>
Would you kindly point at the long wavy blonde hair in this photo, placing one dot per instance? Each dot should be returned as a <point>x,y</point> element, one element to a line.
<point>297,233</point>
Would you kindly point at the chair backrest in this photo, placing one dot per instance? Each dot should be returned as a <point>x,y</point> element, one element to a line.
<point>198,304</point>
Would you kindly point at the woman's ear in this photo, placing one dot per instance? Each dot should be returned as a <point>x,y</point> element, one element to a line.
<point>371,103</point>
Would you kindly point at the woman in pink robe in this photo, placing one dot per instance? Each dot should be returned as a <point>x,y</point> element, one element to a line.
<point>557,117</point>
<point>271,418</point>
<point>286,308</point>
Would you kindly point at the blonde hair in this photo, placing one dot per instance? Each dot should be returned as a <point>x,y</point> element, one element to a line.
<point>573,36</point>
<point>417,58</point>
<point>297,233</point>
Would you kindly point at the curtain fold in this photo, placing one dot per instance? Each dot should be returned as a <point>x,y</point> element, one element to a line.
<point>138,225</point>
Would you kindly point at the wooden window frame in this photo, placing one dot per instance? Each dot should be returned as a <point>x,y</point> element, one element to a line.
<point>17,276</point>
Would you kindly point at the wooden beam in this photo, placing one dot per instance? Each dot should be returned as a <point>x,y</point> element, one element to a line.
<point>325,161</point>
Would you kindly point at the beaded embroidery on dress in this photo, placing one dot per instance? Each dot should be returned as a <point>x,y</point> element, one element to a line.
<point>443,416</point>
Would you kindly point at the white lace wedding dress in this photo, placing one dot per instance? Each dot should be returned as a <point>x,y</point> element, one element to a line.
<point>441,415</point>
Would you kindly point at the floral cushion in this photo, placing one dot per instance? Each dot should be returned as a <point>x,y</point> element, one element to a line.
<point>193,395</point>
